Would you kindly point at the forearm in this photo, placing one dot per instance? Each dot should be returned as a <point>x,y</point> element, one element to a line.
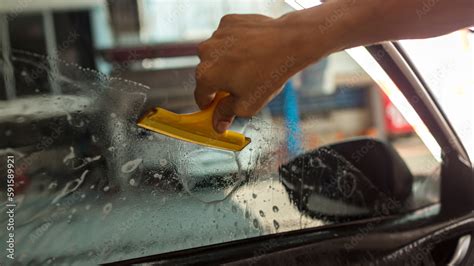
<point>261,53</point>
<point>341,24</point>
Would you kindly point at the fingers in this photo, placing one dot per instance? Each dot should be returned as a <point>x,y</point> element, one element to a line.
<point>240,59</point>
<point>205,89</point>
<point>203,95</point>
<point>224,114</point>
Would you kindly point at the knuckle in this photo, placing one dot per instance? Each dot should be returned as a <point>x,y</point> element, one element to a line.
<point>202,78</point>
<point>259,17</point>
<point>217,33</point>
<point>202,48</point>
<point>203,82</point>
<point>200,71</point>
<point>228,18</point>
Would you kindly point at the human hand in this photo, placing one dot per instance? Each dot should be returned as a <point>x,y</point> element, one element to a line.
<point>249,56</point>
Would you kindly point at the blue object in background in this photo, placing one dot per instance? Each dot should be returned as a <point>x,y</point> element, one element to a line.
<point>292,119</point>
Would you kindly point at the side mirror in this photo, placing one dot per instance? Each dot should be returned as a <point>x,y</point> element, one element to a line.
<point>354,178</point>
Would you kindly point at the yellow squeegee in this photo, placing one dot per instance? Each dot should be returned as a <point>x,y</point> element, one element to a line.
<point>195,127</point>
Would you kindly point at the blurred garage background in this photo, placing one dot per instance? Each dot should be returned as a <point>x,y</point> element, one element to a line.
<point>154,42</point>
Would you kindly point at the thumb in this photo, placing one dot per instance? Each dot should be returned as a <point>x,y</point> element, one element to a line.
<point>224,114</point>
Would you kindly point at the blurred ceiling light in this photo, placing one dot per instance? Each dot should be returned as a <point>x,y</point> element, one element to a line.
<point>301,4</point>
<point>170,62</point>
<point>449,77</point>
<point>375,71</point>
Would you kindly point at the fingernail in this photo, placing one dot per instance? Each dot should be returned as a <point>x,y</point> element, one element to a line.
<point>222,126</point>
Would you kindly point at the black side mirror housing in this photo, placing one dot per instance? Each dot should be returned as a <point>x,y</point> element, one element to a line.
<point>358,177</point>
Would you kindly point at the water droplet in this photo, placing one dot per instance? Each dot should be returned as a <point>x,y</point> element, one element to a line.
<point>107,208</point>
<point>130,166</point>
<point>71,155</point>
<point>113,115</point>
<point>276,224</point>
<point>163,162</point>
<point>275,209</point>
<point>247,214</point>
<point>92,186</point>
<point>88,207</point>
<point>255,223</point>
<point>132,182</point>
<point>53,185</point>
<point>20,119</point>
<point>261,213</point>
<point>8,133</point>
<point>70,187</point>
<point>106,188</point>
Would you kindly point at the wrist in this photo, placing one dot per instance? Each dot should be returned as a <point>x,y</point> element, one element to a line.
<point>334,26</point>
<point>300,35</point>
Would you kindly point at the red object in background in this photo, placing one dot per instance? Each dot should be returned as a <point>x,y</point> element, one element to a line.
<point>21,183</point>
<point>126,54</point>
<point>395,123</point>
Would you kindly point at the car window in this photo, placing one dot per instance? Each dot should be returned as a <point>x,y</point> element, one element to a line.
<point>450,78</point>
<point>92,187</point>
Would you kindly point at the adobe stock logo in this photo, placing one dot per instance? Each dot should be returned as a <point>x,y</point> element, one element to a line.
<point>427,5</point>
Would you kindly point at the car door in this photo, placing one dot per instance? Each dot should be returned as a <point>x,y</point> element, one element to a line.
<point>436,234</point>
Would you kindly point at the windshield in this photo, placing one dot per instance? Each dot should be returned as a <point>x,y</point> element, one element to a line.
<point>450,77</point>
<point>90,186</point>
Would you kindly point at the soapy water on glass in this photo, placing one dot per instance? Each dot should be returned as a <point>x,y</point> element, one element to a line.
<point>129,166</point>
<point>96,174</point>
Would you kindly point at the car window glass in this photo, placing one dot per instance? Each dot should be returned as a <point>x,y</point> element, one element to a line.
<point>449,78</point>
<point>92,187</point>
